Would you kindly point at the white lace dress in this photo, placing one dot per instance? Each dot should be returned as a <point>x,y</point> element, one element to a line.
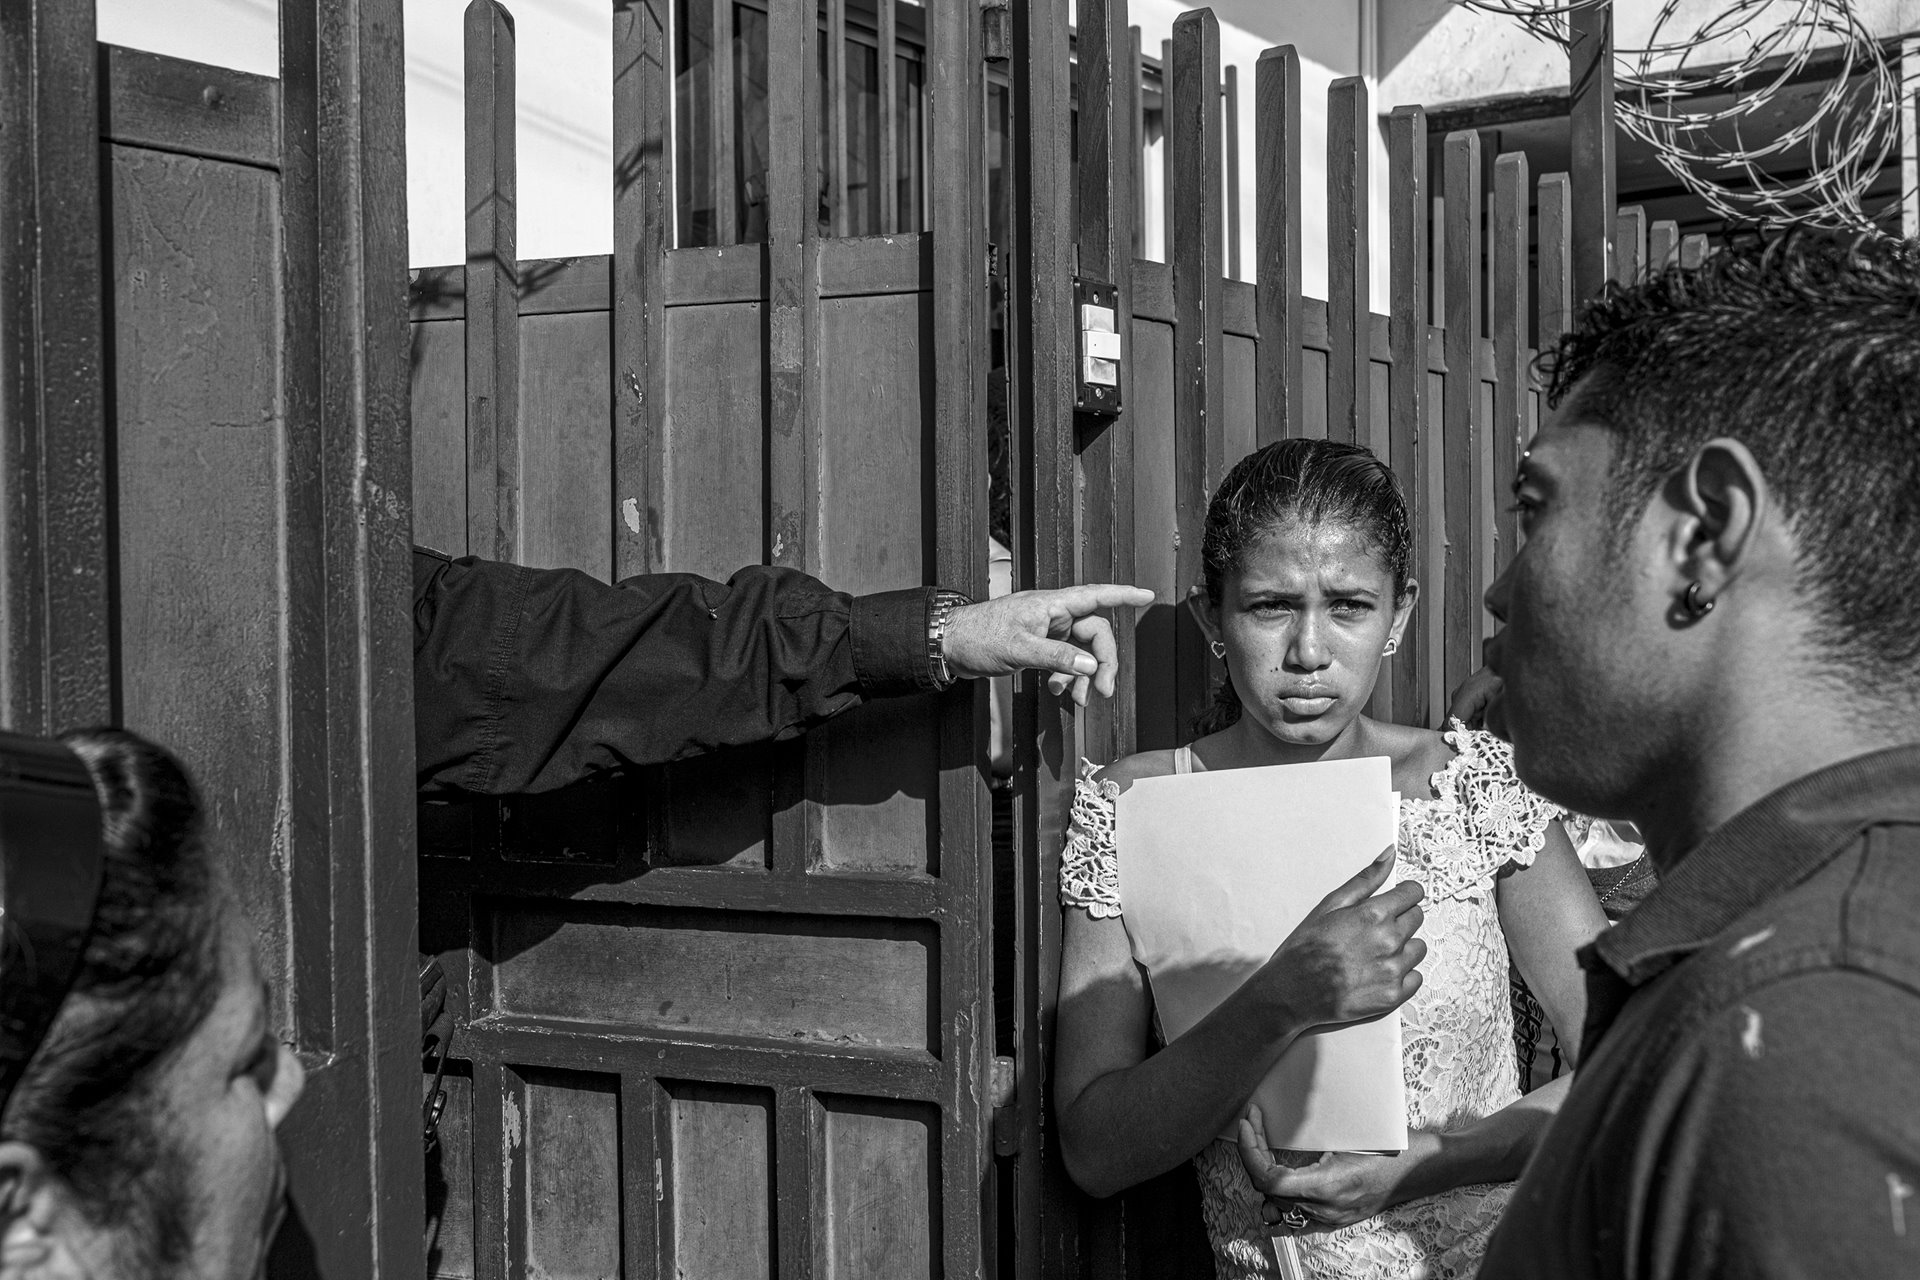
<point>1457,1032</point>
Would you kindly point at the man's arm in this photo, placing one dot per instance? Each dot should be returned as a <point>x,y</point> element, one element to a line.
<point>528,679</point>
<point>1792,1146</point>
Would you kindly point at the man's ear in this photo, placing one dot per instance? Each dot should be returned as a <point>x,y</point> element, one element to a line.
<point>1721,503</point>
<point>1204,612</point>
<point>33,1213</point>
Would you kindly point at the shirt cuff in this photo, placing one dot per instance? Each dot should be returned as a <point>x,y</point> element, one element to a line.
<point>890,642</point>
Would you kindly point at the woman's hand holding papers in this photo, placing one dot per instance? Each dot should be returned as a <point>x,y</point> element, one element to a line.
<point>1355,955</point>
<point>1341,1187</point>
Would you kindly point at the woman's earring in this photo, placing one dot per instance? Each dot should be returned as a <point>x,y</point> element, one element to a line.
<point>1393,647</point>
<point>1696,607</point>
<point>1220,649</point>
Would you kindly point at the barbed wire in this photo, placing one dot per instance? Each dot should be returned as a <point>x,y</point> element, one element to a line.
<point>1847,136</point>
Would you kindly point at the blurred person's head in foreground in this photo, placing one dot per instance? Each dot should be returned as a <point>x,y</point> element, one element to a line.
<point>138,1143</point>
<point>1715,593</point>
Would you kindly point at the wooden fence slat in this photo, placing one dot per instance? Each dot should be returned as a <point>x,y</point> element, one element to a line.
<point>1591,132</point>
<point>726,200</point>
<point>1230,99</point>
<point>1106,201</point>
<point>842,218</point>
<point>1556,258</point>
<point>493,288</point>
<point>1281,370</point>
<point>646,1144</point>
<point>1166,152</point>
<point>1663,246</point>
<point>958,364</point>
<point>1349,316</point>
<point>56,615</point>
<point>642,222</point>
<point>1108,150</point>
<point>793,372</point>
<point>800,1160</point>
<point>1193,139</point>
<point>1136,164</point>
<point>1693,251</point>
<point>1511,389</point>
<point>888,176</point>
<point>1411,450</point>
<point>1468,456</point>
<point>1630,245</point>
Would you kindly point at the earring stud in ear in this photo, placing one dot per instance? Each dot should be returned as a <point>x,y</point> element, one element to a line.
<point>1393,647</point>
<point>1219,649</point>
<point>1695,607</point>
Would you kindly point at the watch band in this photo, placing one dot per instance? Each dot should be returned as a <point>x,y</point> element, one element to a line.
<point>939,617</point>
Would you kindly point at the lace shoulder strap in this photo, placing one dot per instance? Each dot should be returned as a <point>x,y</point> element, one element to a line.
<point>1499,816</point>
<point>1089,870</point>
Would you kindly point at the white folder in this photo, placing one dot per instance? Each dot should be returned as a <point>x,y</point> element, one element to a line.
<point>1216,869</point>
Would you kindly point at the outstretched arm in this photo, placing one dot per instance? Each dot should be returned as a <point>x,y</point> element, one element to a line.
<point>528,679</point>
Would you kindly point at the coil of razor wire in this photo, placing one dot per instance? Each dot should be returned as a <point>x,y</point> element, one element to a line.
<point>1846,138</point>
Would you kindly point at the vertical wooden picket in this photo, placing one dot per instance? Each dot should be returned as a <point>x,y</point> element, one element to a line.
<point>1413,445</point>
<point>1510,362</point>
<point>957,354</point>
<point>1629,245</point>
<point>56,661</point>
<point>1555,258</point>
<point>1591,133</point>
<point>726,198</point>
<point>1693,251</point>
<point>493,288</point>
<point>1468,455</point>
<point>1280,368</point>
<point>836,36</point>
<point>642,214</point>
<point>1663,246</point>
<point>1193,138</point>
<point>1349,315</point>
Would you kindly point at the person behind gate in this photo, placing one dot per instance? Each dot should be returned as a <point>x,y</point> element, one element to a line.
<point>1306,554</point>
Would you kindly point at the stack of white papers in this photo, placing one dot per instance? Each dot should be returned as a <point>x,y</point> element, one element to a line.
<point>1216,869</point>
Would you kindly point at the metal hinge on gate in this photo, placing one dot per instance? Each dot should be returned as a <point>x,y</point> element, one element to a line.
<point>1096,377</point>
<point>1003,1092</point>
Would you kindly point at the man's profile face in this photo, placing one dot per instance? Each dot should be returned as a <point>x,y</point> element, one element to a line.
<point>1582,649</point>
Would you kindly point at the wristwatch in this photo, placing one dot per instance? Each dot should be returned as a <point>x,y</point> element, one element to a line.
<point>939,617</point>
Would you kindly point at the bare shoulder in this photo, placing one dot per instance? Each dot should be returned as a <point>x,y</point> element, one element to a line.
<point>1417,754</point>
<point>1142,764</point>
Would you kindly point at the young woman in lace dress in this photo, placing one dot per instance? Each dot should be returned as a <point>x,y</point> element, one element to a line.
<point>1307,553</point>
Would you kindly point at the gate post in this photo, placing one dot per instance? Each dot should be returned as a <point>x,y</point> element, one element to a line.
<point>56,669</point>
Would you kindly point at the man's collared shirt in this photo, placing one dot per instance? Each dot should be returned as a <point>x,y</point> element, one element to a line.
<point>1749,1103</point>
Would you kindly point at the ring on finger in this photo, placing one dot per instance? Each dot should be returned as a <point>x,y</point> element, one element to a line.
<point>1295,1218</point>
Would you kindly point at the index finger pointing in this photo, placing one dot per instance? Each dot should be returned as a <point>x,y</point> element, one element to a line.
<point>1089,596</point>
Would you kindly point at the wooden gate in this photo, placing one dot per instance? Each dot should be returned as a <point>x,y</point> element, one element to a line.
<point>206,538</point>
<point>724,1020</point>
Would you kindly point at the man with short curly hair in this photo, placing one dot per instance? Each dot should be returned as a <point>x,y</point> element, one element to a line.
<point>1712,631</point>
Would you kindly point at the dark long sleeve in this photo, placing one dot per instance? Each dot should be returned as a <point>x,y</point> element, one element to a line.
<point>528,679</point>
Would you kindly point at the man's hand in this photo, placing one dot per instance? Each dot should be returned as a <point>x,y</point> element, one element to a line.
<point>1337,1190</point>
<point>1054,631</point>
<point>1470,701</point>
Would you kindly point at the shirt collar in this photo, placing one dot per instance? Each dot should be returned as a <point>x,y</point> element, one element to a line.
<point>1772,844</point>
